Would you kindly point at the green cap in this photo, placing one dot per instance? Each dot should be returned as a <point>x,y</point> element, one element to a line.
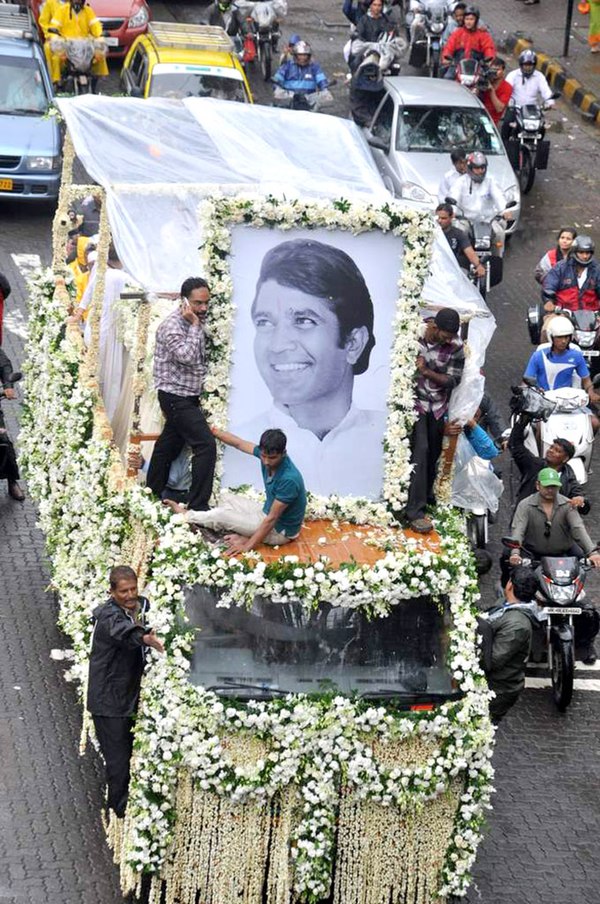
<point>548,477</point>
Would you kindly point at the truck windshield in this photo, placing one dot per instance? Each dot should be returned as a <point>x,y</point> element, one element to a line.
<point>279,648</point>
<point>22,89</point>
<point>196,84</point>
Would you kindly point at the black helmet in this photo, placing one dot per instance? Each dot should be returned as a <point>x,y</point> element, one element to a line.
<point>477,159</point>
<point>582,243</point>
<point>527,58</point>
<point>473,11</point>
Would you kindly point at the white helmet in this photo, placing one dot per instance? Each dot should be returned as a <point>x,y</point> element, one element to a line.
<point>559,326</point>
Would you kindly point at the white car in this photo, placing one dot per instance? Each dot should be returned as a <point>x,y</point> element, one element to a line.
<point>418,122</point>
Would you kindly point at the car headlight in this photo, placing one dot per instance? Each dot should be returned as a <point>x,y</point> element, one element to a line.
<point>139,19</point>
<point>413,192</point>
<point>42,164</point>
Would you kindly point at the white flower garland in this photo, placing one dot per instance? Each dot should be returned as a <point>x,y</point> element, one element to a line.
<point>313,744</point>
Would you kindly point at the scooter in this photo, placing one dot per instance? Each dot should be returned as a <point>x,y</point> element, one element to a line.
<point>560,582</point>
<point>558,412</point>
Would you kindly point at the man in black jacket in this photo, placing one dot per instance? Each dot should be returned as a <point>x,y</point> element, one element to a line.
<point>116,665</point>
<point>9,469</point>
<point>507,632</point>
<point>530,465</point>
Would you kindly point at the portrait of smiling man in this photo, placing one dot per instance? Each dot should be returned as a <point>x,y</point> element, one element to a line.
<point>314,331</point>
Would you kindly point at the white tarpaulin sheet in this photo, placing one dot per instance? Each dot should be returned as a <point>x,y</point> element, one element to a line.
<point>157,159</point>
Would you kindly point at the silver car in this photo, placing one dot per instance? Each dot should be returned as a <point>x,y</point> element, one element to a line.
<point>418,123</point>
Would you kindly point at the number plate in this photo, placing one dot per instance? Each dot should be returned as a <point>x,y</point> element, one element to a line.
<point>6,184</point>
<point>561,610</point>
<point>111,42</point>
<point>593,353</point>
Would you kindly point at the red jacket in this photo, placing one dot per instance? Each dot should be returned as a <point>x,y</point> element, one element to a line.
<point>561,286</point>
<point>466,43</point>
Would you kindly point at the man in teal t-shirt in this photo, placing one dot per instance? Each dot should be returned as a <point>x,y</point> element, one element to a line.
<point>279,520</point>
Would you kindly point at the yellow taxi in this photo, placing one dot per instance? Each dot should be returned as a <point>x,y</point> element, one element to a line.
<point>180,60</point>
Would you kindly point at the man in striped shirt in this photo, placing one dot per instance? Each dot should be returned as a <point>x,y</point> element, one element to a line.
<point>179,371</point>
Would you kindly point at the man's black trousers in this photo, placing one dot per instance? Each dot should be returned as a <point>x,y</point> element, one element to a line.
<point>185,423</point>
<point>9,470</point>
<point>426,445</point>
<point>115,737</point>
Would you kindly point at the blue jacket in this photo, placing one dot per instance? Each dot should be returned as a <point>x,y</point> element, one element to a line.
<point>301,79</point>
<point>560,285</point>
<point>482,444</point>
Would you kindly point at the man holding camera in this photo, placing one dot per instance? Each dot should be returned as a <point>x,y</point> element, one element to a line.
<point>497,92</point>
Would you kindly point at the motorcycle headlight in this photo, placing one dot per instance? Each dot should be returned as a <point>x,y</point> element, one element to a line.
<point>560,594</point>
<point>531,125</point>
<point>436,27</point>
<point>139,19</point>
<point>42,164</point>
<point>413,192</point>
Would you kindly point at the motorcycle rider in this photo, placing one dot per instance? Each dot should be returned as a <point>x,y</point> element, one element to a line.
<point>300,75</point>
<point>76,19</point>
<point>574,283</point>
<point>419,9</point>
<point>529,86</point>
<point>47,13</point>
<point>481,198</point>
<point>495,98</point>
<point>374,24</point>
<point>458,156</point>
<point>468,42</point>
<point>547,525</point>
<point>458,239</point>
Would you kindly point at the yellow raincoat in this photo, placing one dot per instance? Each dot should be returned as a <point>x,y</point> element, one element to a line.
<point>71,24</point>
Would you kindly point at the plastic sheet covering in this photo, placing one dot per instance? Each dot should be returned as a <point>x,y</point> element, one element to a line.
<point>475,487</point>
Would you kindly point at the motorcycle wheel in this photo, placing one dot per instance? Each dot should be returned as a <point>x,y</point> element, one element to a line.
<point>526,170</point>
<point>476,530</point>
<point>434,65</point>
<point>265,53</point>
<point>563,669</point>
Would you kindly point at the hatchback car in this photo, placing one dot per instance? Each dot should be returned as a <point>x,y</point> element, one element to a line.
<point>122,22</point>
<point>418,122</point>
<point>30,140</point>
<point>179,61</point>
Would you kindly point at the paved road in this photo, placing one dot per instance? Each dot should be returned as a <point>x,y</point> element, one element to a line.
<point>542,843</point>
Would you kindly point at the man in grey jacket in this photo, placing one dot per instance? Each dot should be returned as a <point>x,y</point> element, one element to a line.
<point>116,666</point>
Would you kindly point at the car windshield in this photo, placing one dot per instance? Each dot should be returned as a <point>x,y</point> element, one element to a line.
<point>22,88</point>
<point>440,129</point>
<point>196,84</point>
<point>274,648</point>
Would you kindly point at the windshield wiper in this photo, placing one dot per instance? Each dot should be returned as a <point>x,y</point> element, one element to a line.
<point>239,685</point>
<point>24,111</point>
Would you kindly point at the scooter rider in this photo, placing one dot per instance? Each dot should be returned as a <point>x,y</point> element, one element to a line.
<point>574,283</point>
<point>300,75</point>
<point>467,42</point>
<point>553,365</point>
<point>480,197</point>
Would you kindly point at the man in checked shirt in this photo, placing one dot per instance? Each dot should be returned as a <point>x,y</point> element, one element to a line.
<point>179,371</point>
<point>440,365</point>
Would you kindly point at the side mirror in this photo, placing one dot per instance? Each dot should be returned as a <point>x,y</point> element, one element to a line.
<point>530,381</point>
<point>449,200</point>
<point>556,95</point>
<point>510,204</point>
<point>376,142</point>
<point>136,91</point>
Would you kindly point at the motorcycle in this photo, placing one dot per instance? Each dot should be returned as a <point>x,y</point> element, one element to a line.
<point>79,55</point>
<point>261,32</point>
<point>485,244</point>
<point>560,581</point>
<point>386,53</point>
<point>586,335</point>
<point>557,412</point>
<point>526,147</point>
<point>302,100</point>
<point>426,46</point>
